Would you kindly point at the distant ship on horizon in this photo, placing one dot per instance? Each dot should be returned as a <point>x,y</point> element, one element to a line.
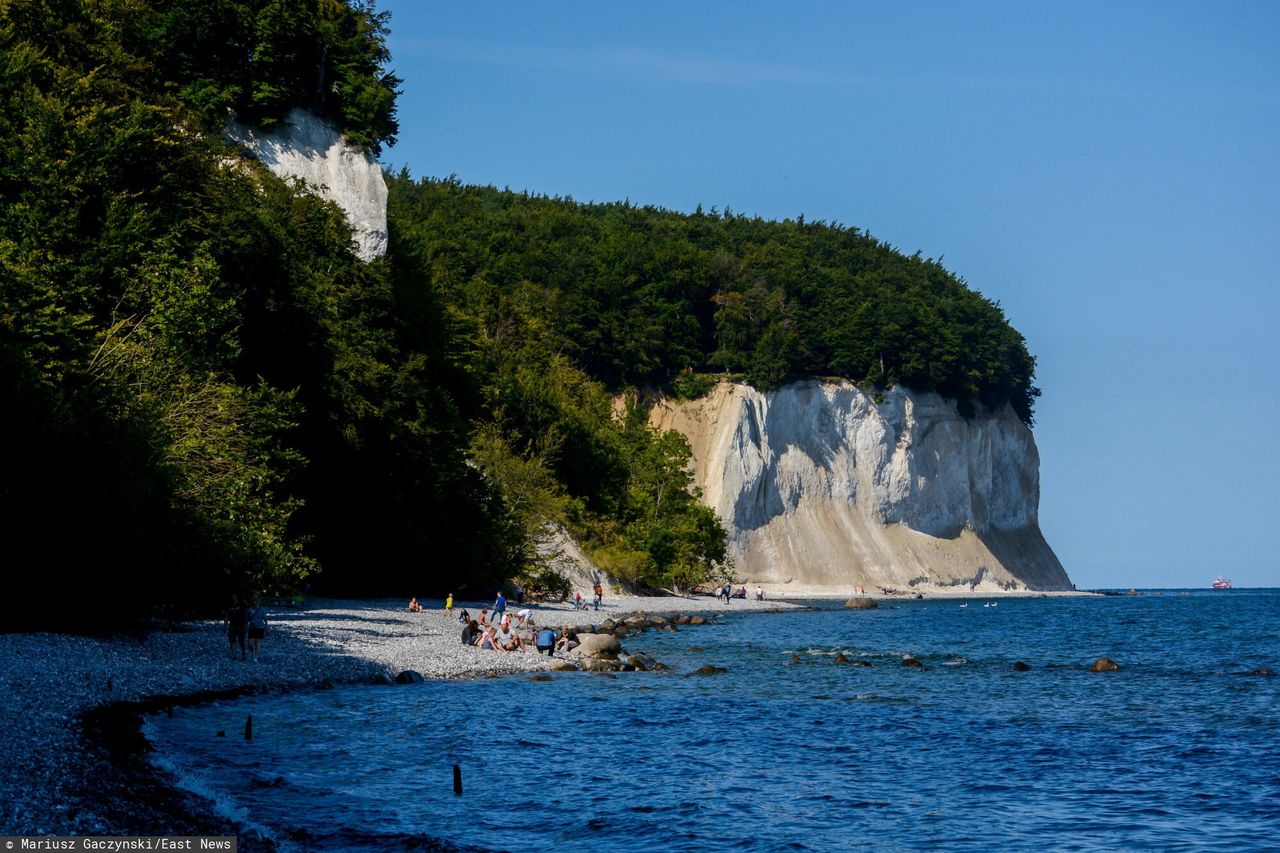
<point>1221,583</point>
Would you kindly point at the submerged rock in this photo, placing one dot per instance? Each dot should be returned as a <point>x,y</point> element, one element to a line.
<point>708,669</point>
<point>1019,666</point>
<point>912,662</point>
<point>861,603</point>
<point>1104,665</point>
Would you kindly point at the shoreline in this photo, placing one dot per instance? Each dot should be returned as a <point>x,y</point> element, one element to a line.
<point>74,756</point>
<point>74,706</point>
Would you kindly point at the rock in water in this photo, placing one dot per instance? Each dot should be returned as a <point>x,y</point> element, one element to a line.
<point>1104,665</point>
<point>409,677</point>
<point>1019,666</point>
<point>840,659</point>
<point>861,603</point>
<point>912,662</point>
<point>708,669</point>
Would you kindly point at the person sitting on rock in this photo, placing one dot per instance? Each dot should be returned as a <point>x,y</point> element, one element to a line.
<point>568,639</point>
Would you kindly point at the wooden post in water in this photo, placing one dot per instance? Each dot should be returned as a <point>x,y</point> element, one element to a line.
<point>457,779</point>
<point>248,727</point>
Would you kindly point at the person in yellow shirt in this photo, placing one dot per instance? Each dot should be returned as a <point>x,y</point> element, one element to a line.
<point>448,604</point>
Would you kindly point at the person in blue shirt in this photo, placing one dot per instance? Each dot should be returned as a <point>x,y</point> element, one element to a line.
<point>546,641</point>
<point>499,607</point>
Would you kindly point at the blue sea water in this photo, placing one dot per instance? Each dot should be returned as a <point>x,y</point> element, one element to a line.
<point>789,750</point>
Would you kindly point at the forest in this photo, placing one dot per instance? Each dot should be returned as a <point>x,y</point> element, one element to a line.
<point>204,391</point>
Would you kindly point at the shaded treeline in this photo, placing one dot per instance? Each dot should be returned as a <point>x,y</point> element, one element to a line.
<point>203,390</point>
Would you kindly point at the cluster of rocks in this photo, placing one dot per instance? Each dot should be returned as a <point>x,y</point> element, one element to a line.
<point>600,648</point>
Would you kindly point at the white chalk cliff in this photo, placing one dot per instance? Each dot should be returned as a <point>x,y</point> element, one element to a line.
<point>822,487</point>
<point>310,149</point>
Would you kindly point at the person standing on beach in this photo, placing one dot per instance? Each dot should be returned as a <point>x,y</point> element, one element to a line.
<point>599,591</point>
<point>235,626</point>
<point>257,619</point>
<point>499,607</point>
<point>448,604</point>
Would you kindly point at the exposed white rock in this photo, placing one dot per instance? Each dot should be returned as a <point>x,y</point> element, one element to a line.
<point>310,149</point>
<point>822,487</point>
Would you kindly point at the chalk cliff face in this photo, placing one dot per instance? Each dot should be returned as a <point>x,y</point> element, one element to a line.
<point>820,486</point>
<point>309,148</point>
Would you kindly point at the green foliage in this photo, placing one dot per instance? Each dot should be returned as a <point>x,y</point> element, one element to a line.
<point>204,390</point>
<point>640,296</point>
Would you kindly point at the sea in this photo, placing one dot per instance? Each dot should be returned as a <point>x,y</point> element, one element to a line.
<point>789,748</point>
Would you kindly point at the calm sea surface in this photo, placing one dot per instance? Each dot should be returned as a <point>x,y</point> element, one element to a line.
<point>789,750</point>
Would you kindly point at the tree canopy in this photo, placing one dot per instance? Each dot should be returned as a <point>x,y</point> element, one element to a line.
<point>637,296</point>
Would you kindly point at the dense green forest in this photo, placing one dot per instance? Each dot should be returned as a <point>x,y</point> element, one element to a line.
<point>640,296</point>
<point>203,390</point>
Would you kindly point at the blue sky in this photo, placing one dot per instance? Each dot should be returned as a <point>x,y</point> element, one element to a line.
<point>1110,173</point>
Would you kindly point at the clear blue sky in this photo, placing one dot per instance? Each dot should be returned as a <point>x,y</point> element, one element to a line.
<point>1108,172</point>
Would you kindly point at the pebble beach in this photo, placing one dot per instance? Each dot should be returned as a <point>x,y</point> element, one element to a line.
<point>58,778</point>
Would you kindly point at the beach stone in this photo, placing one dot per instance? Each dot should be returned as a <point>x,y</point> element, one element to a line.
<point>1104,665</point>
<point>912,662</point>
<point>600,665</point>
<point>660,620</point>
<point>641,661</point>
<point>709,669</point>
<point>861,603</point>
<point>683,619</point>
<point>608,625</point>
<point>1019,666</point>
<point>563,666</point>
<point>697,620</point>
<point>597,645</point>
<point>539,678</point>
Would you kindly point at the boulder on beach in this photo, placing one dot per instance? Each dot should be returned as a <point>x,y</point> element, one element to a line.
<point>409,677</point>
<point>563,666</point>
<point>697,620</point>
<point>597,645</point>
<point>1104,665</point>
<point>861,602</point>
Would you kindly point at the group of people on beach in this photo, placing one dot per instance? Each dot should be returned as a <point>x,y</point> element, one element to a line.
<point>246,627</point>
